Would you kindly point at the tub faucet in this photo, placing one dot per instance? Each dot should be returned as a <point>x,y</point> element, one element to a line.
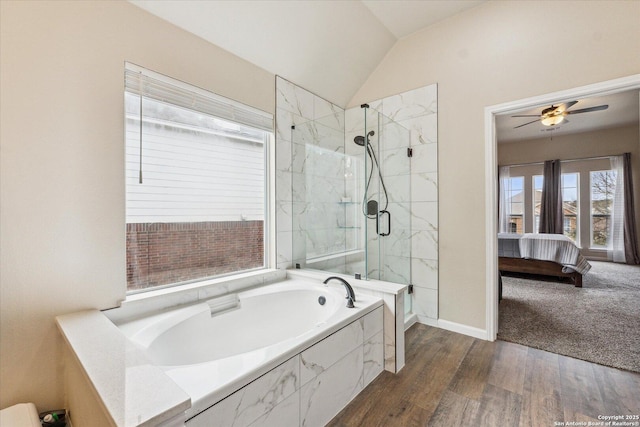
<point>351,297</point>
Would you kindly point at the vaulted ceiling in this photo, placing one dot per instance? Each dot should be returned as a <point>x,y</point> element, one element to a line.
<point>327,47</point>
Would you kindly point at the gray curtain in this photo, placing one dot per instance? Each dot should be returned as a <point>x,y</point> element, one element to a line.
<point>631,252</point>
<point>551,203</point>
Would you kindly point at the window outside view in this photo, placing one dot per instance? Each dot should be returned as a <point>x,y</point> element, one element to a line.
<point>537,200</point>
<point>571,205</point>
<point>603,188</point>
<point>515,197</point>
<point>597,215</point>
<point>195,195</point>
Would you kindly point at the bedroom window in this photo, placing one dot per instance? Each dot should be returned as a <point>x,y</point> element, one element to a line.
<point>196,182</point>
<point>537,198</point>
<point>515,199</point>
<point>603,187</point>
<point>571,205</point>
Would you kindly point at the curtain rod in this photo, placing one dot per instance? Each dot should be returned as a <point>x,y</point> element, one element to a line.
<point>569,160</point>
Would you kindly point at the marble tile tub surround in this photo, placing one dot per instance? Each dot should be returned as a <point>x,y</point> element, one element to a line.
<point>311,387</point>
<point>229,374</point>
<point>117,369</point>
<point>136,392</point>
<point>139,305</point>
<point>392,295</point>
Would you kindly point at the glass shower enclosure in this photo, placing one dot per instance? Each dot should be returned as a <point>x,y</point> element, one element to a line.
<point>351,192</point>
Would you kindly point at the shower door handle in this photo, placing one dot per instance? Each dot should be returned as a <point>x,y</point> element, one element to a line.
<point>380,215</point>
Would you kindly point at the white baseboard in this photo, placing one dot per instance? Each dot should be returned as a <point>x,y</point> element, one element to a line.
<point>427,321</point>
<point>449,326</point>
<point>463,329</point>
<point>410,321</point>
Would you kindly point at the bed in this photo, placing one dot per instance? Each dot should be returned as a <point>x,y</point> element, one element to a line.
<point>543,254</point>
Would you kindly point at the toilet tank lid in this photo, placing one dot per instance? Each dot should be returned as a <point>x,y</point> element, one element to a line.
<point>22,414</point>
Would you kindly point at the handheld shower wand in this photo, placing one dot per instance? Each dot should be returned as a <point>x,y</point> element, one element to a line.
<point>370,208</point>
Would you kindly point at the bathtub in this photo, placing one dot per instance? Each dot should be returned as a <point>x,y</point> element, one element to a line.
<point>214,348</point>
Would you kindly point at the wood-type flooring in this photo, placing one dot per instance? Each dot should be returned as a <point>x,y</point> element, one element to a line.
<point>455,380</point>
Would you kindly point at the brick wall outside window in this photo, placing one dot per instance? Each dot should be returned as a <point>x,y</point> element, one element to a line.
<point>166,253</point>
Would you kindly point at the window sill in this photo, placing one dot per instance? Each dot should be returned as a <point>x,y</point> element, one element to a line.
<point>143,303</point>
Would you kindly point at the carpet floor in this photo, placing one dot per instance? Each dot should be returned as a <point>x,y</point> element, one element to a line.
<point>599,322</point>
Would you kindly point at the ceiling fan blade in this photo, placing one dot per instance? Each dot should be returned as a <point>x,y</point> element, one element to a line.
<point>586,110</point>
<point>528,115</point>
<point>568,105</point>
<point>533,121</point>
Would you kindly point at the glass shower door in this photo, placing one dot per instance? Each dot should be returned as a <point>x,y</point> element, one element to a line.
<point>322,210</point>
<point>387,199</point>
<point>351,197</point>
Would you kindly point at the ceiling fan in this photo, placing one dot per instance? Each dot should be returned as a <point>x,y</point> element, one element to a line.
<point>554,115</point>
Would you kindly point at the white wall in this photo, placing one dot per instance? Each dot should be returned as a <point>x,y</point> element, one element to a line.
<point>603,142</point>
<point>62,167</point>
<point>495,53</point>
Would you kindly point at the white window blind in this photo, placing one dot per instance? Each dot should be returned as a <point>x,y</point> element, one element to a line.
<point>150,84</point>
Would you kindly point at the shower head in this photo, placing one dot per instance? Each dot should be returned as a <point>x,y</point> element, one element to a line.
<point>360,139</point>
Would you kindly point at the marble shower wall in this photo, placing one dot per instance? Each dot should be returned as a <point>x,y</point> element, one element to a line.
<point>318,192</point>
<point>388,256</point>
<point>417,110</point>
<point>310,157</point>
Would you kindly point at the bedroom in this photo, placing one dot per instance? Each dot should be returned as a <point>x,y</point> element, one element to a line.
<point>605,126</point>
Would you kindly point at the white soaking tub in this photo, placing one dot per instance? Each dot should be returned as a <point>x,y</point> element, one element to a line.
<point>211,349</point>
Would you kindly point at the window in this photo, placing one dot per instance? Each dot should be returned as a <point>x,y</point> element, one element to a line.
<point>538,180</point>
<point>195,182</point>
<point>588,188</point>
<point>603,187</point>
<point>515,199</point>
<point>570,205</point>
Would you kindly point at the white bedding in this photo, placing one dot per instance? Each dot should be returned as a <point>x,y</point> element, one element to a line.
<point>554,247</point>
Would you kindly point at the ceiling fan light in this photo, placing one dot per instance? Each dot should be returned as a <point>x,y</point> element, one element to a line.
<point>552,120</point>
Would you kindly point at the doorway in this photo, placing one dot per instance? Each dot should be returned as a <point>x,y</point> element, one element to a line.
<point>491,174</point>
